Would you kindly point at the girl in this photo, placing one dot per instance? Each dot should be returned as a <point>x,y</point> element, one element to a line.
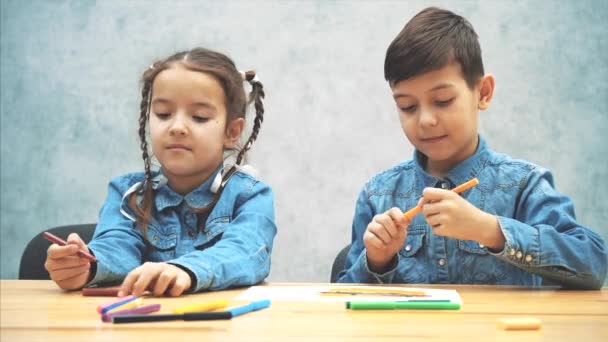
<point>194,224</point>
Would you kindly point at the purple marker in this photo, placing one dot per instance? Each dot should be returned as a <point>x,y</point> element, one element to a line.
<point>139,310</point>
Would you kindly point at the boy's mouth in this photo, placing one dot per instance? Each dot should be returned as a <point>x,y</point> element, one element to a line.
<point>433,139</point>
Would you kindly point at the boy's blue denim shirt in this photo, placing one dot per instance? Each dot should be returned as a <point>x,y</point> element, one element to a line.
<point>233,248</point>
<point>544,243</point>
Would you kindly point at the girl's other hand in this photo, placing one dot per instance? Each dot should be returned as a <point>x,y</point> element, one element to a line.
<point>157,277</point>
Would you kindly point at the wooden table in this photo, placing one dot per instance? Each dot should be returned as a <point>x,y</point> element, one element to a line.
<point>37,310</point>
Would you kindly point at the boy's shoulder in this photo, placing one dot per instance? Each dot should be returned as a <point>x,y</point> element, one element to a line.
<point>389,178</point>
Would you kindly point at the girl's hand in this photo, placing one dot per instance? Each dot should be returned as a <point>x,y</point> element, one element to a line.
<point>452,216</point>
<point>157,277</point>
<point>66,268</point>
<point>384,237</point>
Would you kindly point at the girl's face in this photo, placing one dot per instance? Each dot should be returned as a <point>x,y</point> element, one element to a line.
<point>188,126</point>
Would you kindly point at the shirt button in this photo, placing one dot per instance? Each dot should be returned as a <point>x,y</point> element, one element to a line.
<point>190,233</point>
<point>441,262</point>
<point>519,255</point>
<point>528,258</point>
<point>408,248</point>
<point>444,185</point>
<point>512,251</point>
<point>481,245</point>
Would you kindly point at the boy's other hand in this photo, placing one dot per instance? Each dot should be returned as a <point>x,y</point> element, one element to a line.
<point>384,237</point>
<point>157,277</point>
<point>452,216</point>
<point>66,268</point>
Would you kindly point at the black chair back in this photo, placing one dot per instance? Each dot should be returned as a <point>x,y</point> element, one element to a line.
<point>339,263</point>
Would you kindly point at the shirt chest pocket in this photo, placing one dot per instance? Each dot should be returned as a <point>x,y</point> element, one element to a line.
<point>212,233</point>
<point>162,244</point>
<point>414,241</point>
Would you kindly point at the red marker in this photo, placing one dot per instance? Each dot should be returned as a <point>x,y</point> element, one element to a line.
<point>61,242</point>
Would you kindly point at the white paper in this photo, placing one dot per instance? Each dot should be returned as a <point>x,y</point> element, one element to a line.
<point>344,293</point>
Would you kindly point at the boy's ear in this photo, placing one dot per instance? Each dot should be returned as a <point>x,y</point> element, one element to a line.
<point>486,91</point>
<point>234,130</point>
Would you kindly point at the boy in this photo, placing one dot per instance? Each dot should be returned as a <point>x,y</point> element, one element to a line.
<point>513,228</point>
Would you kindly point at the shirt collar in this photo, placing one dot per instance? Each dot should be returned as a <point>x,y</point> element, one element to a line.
<point>165,197</point>
<point>464,171</point>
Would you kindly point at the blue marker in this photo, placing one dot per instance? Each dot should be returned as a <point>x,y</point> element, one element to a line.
<point>193,316</point>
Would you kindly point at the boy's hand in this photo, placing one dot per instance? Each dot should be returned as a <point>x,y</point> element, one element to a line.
<point>157,277</point>
<point>384,237</point>
<point>452,216</point>
<point>66,268</point>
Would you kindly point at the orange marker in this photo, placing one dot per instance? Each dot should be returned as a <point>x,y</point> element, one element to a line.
<point>462,187</point>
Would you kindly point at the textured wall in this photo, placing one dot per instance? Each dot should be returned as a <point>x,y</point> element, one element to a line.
<point>69,73</point>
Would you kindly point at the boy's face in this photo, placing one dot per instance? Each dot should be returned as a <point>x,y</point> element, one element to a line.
<point>439,115</point>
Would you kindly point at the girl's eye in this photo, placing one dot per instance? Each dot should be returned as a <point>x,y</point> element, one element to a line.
<point>198,118</point>
<point>409,109</point>
<point>163,116</point>
<point>444,103</point>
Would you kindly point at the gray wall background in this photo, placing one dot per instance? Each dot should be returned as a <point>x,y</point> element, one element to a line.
<point>69,99</point>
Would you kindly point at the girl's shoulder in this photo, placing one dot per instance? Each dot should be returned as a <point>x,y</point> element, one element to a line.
<point>127,181</point>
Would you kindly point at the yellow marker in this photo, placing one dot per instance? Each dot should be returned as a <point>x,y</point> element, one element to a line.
<point>207,306</point>
<point>128,305</point>
<point>519,323</point>
<point>462,187</point>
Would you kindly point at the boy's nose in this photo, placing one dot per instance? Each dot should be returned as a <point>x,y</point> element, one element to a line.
<point>427,118</point>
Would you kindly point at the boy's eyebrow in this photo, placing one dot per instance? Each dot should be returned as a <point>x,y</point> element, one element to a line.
<point>435,88</point>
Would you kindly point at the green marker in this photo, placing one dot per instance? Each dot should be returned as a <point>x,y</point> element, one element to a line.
<point>404,305</point>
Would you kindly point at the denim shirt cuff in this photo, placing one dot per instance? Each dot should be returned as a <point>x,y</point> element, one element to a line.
<point>202,273</point>
<point>103,274</point>
<point>384,278</point>
<point>522,244</point>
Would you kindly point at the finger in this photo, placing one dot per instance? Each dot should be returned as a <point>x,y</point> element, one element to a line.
<point>432,208</point>
<point>434,220</point>
<point>74,282</point>
<point>435,194</point>
<point>68,273</point>
<point>57,252</point>
<point>400,221</point>
<point>127,284</point>
<point>144,280</point>
<point>372,240</point>
<point>387,223</point>
<point>73,238</point>
<point>63,263</point>
<point>380,232</point>
<point>163,281</point>
<point>182,283</point>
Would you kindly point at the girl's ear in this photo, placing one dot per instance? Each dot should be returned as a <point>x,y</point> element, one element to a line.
<point>234,130</point>
<point>486,91</point>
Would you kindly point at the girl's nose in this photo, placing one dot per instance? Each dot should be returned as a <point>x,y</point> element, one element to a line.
<point>178,126</point>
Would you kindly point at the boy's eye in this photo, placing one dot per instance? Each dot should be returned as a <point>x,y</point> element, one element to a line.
<point>444,103</point>
<point>409,109</point>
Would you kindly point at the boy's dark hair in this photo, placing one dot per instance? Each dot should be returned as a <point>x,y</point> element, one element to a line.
<point>432,39</point>
<point>223,69</point>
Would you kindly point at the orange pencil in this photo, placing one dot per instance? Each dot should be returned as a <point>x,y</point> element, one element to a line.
<point>462,187</point>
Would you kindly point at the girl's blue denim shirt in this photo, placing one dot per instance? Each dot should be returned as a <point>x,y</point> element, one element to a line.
<point>233,248</point>
<point>544,243</point>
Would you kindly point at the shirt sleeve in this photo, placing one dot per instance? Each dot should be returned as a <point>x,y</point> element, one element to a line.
<point>242,256</point>
<point>356,269</point>
<point>117,244</point>
<point>544,238</point>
